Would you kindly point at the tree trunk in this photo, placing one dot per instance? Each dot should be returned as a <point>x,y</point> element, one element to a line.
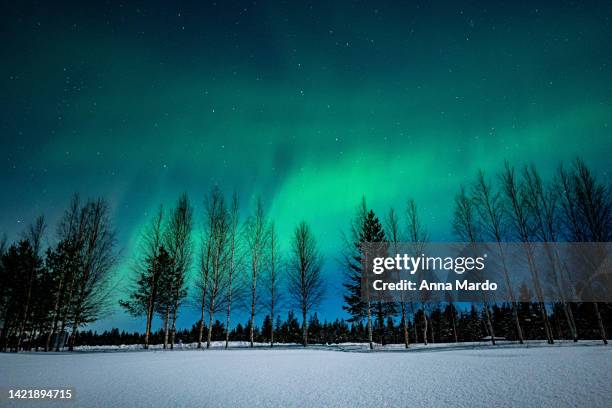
<point>424,327</point>
<point>304,328</point>
<point>4,335</point>
<point>272,319</point>
<point>489,322</point>
<point>431,329</point>
<point>148,328</point>
<point>569,317</point>
<point>229,310</point>
<point>166,321</point>
<point>173,327</point>
<point>602,329</point>
<point>150,311</point>
<point>547,326</point>
<point>517,323</point>
<point>211,315</point>
<point>72,339</point>
<point>26,310</point>
<point>229,302</point>
<point>369,314</point>
<point>201,325</point>
<point>56,311</point>
<point>77,317</point>
<point>272,330</point>
<point>32,336</point>
<point>515,315</point>
<point>405,326</point>
<point>253,300</point>
<point>370,340</point>
<point>454,323</point>
<point>60,344</point>
<point>202,316</point>
<point>64,317</point>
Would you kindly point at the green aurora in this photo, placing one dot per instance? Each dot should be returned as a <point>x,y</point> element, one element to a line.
<point>310,106</point>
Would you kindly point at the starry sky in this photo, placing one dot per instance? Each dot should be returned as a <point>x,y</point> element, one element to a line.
<point>308,104</point>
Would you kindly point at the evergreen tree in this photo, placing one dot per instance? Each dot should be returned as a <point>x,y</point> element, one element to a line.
<point>370,231</point>
<point>266,328</point>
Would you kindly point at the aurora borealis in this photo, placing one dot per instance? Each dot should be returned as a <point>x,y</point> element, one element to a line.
<point>308,104</point>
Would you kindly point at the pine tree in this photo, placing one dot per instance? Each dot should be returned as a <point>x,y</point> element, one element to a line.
<point>370,230</point>
<point>266,328</point>
<point>315,330</point>
<point>353,302</point>
<point>144,297</point>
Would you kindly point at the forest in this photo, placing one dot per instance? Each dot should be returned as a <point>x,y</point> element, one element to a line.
<point>212,258</point>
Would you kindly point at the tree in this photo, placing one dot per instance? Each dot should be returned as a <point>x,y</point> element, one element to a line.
<point>233,262</point>
<point>17,263</point>
<point>177,241</point>
<point>542,206</point>
<point>97,257</point>
<point>33,236</point>
<point>587,206</point>
<point>272,281</point>
<point>417,236</point>
<point>353,301</point>
<point>305,284</point>
<point>516,202</point>
<point>393,232</point>
<point>256,233</point>
<point>491,211</point>
<point>144,295</point>
<point>219,228</point>
<point>373,233</point>
<point>71,233</point>
<point>465,227</point>
<point>365,229</point>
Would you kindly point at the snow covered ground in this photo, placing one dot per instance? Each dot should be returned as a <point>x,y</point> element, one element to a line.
<point>459,376</point>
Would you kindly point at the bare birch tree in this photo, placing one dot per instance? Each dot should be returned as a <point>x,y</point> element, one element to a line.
<point>204,272</point>
<point>305,284</point>
<point>516,203</point>
<point>489,206</point>
<point>587,206</point>
<point>542,204</point>
<point>97,259</point>
<point>417,236</point>
<point>143,297</point>
<point>71,232</point>
<point>232,263</point>
<point>256,234</point>
<point>465,227</point>
<point>177,242</point>
<point>218,215</point>
<point>393,235</point>
<point>272,279</point>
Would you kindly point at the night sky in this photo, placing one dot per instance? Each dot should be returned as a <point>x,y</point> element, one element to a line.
<point>308,104</point>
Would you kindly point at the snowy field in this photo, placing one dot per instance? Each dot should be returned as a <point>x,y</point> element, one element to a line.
<point>460,376</point>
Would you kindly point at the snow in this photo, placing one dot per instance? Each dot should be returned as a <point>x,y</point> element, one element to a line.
<point>458,376</point>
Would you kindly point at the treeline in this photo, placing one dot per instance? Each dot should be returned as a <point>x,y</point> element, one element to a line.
<point>47,296</point>
<point>236,263</point>
<point>238,266</point>
<point>469,327</point>
<point>511,206</point>
<point>57,290</point>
